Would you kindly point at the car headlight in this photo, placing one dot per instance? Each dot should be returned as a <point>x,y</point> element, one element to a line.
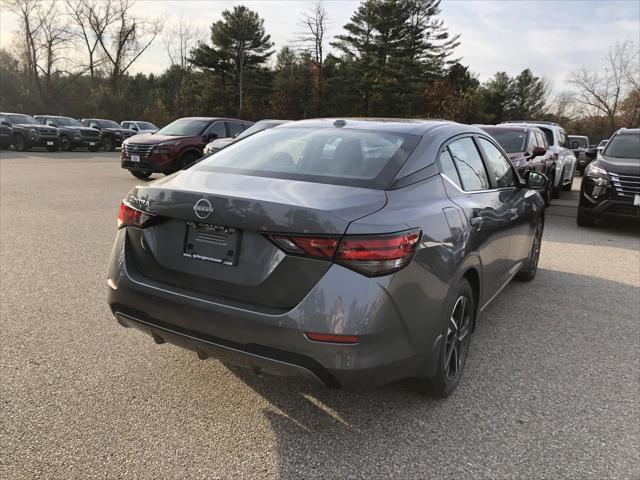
<point>170,143</point>
<point>33,130</point>
<point>594,171</point>
<point>596,182</point>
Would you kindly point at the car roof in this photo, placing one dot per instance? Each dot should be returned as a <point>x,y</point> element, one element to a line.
<point>577,136</point>
<point>393,125</point>
<point>11,113</point>
<point>52,116</point>
<point>214,118</point>
<point>628,131</point>
<point>513,128</point>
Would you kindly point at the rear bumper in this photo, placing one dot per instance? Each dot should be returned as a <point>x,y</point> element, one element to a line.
<point>275,342</point>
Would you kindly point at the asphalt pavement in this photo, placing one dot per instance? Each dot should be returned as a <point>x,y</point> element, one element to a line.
<point>551,387</point>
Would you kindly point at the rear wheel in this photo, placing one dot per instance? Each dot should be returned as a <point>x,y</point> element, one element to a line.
<point>19,143</point>
<point>530,267</point>
<point>107,144</point>
<point>455,346</point>
<point>140,175</point>
<point>187,159</point>
<point>568,186</point>
<point>555,190</point>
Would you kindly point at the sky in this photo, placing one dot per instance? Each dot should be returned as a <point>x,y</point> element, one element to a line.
<point>552,37</point>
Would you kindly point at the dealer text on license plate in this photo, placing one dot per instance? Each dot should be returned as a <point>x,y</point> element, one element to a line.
<point>212,243</point>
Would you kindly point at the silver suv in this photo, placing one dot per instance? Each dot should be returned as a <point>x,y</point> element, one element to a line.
<point>559,146</point>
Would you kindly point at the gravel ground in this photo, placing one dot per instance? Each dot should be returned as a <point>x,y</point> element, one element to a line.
<point>550,390</point>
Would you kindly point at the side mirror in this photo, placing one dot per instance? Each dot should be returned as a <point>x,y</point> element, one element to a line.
<point>134,128</point>
<point>6,124</point>
<point>211,136</point>
<point>535,180</point>
<point>538,152</point>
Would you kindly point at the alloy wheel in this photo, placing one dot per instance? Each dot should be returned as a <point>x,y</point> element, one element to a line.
<point>65,144</point>
<point>107,144</point>
<point>18,143</point>
<point>535,250</point>
<point>458,335</point>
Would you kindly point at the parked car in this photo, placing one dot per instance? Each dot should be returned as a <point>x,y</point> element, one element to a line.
<point>559,146</point>
<point>528,149</point>
<point>72,133</point>
<point>583,150</point>
<point>139,126</point>
<point>601,145</point>
<point>26,132</point>
<point>5,134</point>
<point>220,143</point>
<point>337,250</point>
<point>111,134</point>
<point>175,146</point>
<point>611,183</point>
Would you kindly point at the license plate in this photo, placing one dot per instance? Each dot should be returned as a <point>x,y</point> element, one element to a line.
<point>92,144</point>
<point>135,158</point>
<point>212,243</point>
<point>49,143</point>
<point>636,200</point>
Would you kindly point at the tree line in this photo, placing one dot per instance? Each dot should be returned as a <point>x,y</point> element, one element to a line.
<point>394,58</point>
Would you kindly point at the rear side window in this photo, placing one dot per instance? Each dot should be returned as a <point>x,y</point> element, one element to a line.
<point>218,129</point>
<point>499,165</point>
<point>562,139</point>
<point>234,128</point>
<point>448,168</point>
<point>469,165</point>
<point>329,155</point>
<point>549,134</point>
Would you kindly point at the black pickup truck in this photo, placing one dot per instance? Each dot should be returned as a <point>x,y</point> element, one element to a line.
<point>72,133</point>
<point>585,152</point>
<point>111,133</point>
<point>26,132</point>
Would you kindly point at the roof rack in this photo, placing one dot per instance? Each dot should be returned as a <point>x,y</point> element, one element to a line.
<point>536,122</point>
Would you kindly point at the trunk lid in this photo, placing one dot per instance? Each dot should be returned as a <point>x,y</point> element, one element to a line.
<point>262,275</point>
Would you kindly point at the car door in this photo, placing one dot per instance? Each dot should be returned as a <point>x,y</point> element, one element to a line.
<point>514,198</point>
<point>535,163</point>
<point>485,208</point>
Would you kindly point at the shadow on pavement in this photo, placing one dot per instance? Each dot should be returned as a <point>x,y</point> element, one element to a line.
<point>541,373</point>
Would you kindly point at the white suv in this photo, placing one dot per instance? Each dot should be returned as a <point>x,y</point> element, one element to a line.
<point>559,146</point>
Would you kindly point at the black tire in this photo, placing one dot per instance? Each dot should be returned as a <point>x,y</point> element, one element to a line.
<point>52,148</point>
<point>457,332</point>
<point>584,219</point>
<point>95,148</point>
<point>187,159</point>
<point>107,144</point>
<point>530,267</point>
<point>19,143</point>
<point>568,186</point>
<point>555,191</point>
<point>547,195</point>
<point>140,175</point>
<point>65,144</point>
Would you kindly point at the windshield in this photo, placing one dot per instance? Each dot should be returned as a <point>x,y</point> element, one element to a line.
<point>146,126</point>
<point>326,155</point>
<point>66,122</point>
<point>624,145</point>
<point>107,124</point>
<point>22,119</point>
<point>185,127</point>
<point>512,141</point>
<point>578,142</point>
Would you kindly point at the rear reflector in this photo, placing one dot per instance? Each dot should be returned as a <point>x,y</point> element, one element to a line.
<point>132,217</point>
<point>330,338</point>
<point>371,255</point>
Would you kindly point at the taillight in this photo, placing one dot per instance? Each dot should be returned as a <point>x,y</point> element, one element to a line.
<point>129,216</point>
<point>371,255</point>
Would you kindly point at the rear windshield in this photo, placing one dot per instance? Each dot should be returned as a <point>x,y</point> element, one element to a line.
<point>325,155</point>
<point>626,145</point>
<point>147,126</point>
<point>185,127</point>
<point>512,141</point>
<point>578,142</point>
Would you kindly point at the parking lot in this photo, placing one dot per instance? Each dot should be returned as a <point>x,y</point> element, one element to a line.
<point>550,388</point>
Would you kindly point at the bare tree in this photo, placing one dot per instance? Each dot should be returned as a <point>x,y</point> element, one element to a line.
<point>92,19</point>
<point>179,40</point>
<point>314,25</point>
<point>125,40</point>
<point>602,92</point>
<point>31,27</point>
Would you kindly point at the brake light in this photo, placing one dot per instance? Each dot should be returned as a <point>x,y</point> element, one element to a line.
<point>378,255</point>
<point>371,255</point>
<point>331,338</point>
<point>132,217</point>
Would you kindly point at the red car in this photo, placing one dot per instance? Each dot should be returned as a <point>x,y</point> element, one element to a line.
<point>528,149</point>
<point>177,145</point>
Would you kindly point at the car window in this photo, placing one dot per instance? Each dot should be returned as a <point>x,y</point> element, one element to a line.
<point>469,164</point>
<point>448,168</point>
<point>234,128</point>
<point>499,165</point>
<point>218,129</point>
<point>93,124</point>
<point>562,139</point>
<point>533,142</point>
<point>549,134</point>
<point>50,122</point>
<point>542,141</point>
